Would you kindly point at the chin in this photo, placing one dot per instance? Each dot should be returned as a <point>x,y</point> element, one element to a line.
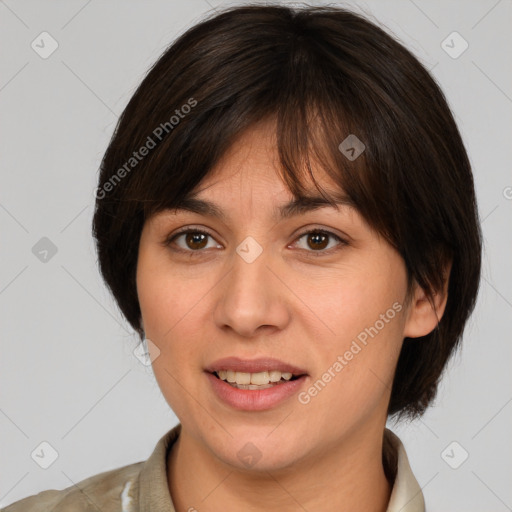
<point>254,450</point>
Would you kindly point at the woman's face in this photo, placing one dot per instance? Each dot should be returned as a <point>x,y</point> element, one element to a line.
<point>261,295</point>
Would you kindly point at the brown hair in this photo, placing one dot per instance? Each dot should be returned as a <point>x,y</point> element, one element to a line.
<point>322,73</point>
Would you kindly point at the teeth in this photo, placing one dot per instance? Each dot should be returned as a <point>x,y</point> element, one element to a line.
<point>253,379</point>
<point>242,378</point>
<point>252,386</point>
<point>259,378</point>
<point>274,376</point>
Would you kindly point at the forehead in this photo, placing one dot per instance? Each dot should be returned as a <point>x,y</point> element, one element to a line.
<point>254,156</point>
<point>250,165</point>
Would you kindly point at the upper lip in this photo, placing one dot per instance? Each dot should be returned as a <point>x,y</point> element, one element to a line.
<point>264,364</point>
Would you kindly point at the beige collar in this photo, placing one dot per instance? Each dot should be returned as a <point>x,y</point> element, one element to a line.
<point>406,495</point>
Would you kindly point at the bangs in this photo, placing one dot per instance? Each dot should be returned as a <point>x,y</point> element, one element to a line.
<point>317,119</point>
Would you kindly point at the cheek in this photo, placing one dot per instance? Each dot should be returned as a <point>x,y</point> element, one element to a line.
<point>170,305</point>
<point>357,355</point>
<point>354,378</point>
<point>350,304</point>
<point>167,299</point>
<point>161,313</point>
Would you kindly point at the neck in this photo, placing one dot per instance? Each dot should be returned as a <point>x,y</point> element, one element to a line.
<point>346,477</point>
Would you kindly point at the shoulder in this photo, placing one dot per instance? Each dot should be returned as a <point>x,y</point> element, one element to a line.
<point>109,491</point>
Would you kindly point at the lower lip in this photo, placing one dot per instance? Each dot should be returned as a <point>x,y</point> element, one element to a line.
<point>254,399</point>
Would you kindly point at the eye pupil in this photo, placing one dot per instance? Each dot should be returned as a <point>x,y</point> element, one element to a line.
<point>316,237</point>
<point>191,239</point>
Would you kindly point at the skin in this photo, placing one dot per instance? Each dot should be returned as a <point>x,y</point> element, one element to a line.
<point>323,455</point>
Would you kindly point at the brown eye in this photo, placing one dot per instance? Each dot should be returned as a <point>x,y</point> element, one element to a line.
<point>194,240</point>
<point>318,241</point>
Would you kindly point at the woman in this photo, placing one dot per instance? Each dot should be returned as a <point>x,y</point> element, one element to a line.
<point>286,215</point>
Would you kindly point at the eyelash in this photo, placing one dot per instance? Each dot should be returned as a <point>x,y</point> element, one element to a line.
<point>314,254</point>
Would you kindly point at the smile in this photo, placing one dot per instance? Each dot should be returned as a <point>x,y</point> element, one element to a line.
<point>253,381</point>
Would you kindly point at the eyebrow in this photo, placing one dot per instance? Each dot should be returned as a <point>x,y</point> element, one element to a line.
<point>295,207</point>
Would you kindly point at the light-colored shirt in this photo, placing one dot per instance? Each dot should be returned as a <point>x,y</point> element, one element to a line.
<point>142,486</point>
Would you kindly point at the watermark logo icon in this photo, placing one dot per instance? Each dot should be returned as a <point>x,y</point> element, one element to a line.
<point>44,45</point>
<point>44,250</point>
<point>249,249</point>
<point>44,455</point>
<point>454,45</point>
<point>352,147</point>
<point>454,455</point>
<point>146,352</point>
<point>249,455</point>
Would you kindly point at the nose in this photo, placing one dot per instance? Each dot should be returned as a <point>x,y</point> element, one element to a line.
<point>252,298</point>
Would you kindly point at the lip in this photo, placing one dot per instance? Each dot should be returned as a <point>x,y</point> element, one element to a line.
<point>257,399</point>
<point>263,364</point>
<point>254,399</point>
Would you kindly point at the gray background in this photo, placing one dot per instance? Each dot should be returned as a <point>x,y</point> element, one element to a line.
<point>68,375</point>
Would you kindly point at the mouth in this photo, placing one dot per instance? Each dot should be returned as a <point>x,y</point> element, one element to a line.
<point>255,381</point>
<point>258,382</point>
